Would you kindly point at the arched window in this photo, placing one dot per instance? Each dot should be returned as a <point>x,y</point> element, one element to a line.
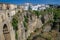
<point>5,29</point>
<point>6,32</point>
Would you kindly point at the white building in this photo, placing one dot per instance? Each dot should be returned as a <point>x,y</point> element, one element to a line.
<point>9,8</point>
<point>26,6</point>
<point>35,7</point>
<point>40,7</point>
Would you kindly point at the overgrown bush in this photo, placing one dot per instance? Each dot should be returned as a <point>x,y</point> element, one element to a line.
<point>15,24</point>
<point>26,19</point>
<point>37,13</point>
<point>25,22</point>
<point>15,27</point>
<point>25,25</point>
<point>16,35</point>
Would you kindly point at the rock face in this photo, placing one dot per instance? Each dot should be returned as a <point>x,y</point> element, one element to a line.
<point>27,23</point>
<point>6,29</point>
<point>32,24</point>
<point>21,32</point>
<point>47,28</point>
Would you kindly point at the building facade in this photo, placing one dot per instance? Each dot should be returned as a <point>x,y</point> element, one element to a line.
<point>6,29</point>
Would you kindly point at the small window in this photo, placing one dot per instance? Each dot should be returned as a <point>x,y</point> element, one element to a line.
<point>7,7</point>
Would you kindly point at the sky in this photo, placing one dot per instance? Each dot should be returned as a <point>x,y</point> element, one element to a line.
<point>31,1</point>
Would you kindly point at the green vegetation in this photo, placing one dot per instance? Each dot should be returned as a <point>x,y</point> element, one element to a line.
<point>26,19</point>
<point>15,23</point>
<point>37,13</point>
<point>16,35</point>
<point>56,14</point>
<point>25,25</point>
<point>49,10</point>
<point>42,12</point>
<point>15,26</point>
<point>25,22</point>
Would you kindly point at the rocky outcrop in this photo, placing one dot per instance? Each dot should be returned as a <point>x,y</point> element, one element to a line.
<point>32,23</point>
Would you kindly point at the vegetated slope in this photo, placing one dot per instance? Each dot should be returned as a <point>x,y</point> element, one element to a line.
<point>37,25</point>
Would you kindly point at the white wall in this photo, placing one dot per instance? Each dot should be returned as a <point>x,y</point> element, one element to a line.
<point>12,12</point>
<point>26,7</point>
<point>34,7</point>
<point>12,6</point>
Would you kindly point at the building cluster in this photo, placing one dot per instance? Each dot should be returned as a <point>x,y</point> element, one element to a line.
<point>35,6</point>
<point>12,7</point>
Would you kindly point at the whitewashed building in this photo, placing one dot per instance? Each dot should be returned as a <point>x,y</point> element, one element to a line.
<point>40,7</point>
<point>26,6</point>
<point>35,7</point>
